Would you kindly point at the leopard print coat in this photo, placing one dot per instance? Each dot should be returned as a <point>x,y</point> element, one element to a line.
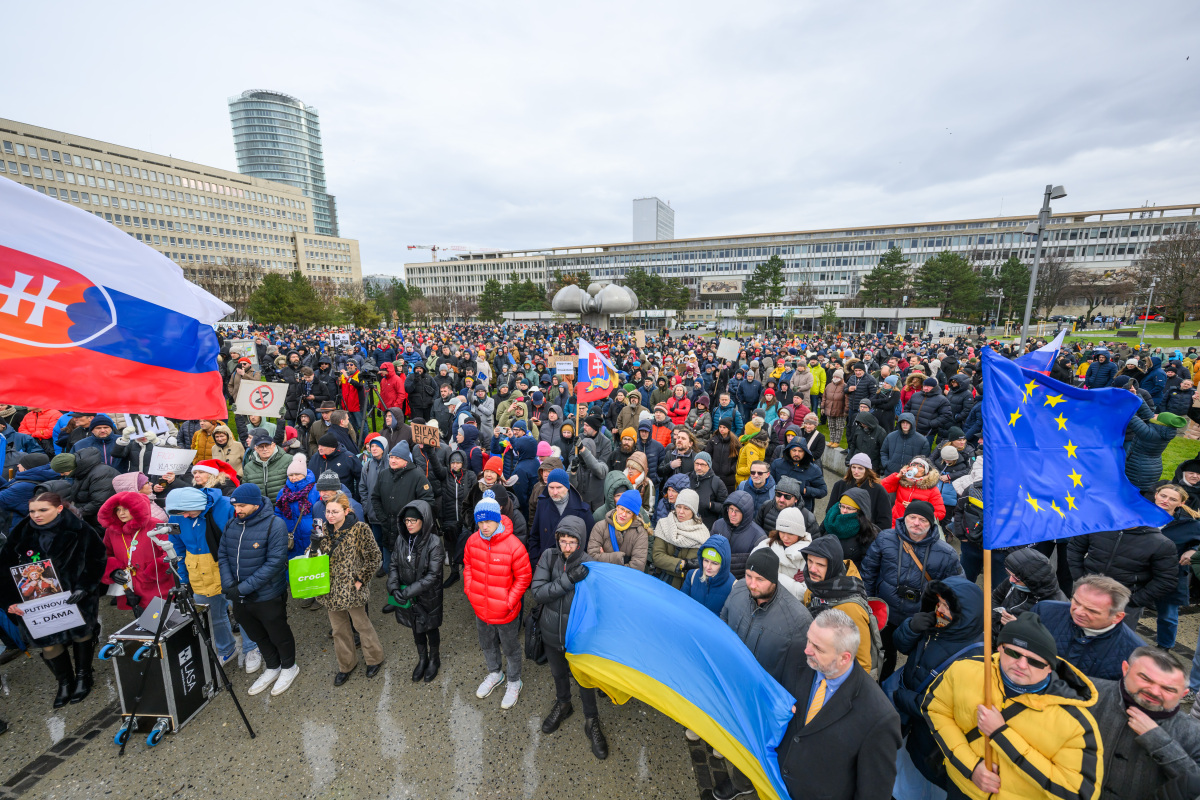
<point>355,558</point>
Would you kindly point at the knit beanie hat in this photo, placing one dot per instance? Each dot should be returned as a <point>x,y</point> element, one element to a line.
<point>299,465</point>
<point>401,450</point>
<point>632,500</point>
<point>543,450</point>
<point>328,440</point>
<point>791,520</point>
<point>100,419</point>
<point>487,509</point>
<point>594,422</point>
<point>1028,632</point>
<point>629,433</point>
<point>559,476</point>
<point>924,509</point>
<point>705,457</point>
<point>710,553</point>
<point>949,453</point>
<point>690,499</point>
<point>494,464</point>
<point>861,460</point>
<point>328,481</point>
<point>32,460</point>
<point>63,462</point>
<point>247,494</point>
<point>765,563</point>
<point>929,382</point>
<point>186,499</point>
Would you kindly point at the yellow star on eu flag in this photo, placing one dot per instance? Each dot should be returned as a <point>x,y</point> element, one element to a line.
<point>1013,417</point>
<point>1054,399</point>
<point>1054,505</point>
<point>1076,478</point>
<point>1030,388</point>
<point>1062,422</point>
<point>1071,503</point>
<point>1032,501</point>
<point>1071,448</point>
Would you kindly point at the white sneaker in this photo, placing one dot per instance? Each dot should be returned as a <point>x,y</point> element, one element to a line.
<point>253,660</point>
<point>493,680</point>
<point>691,735</point>
<point>285,679</point>
<point>226,659</point>
<point>511,692</point>
<point>266,679</point>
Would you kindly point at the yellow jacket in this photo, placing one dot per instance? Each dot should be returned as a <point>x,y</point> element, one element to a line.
<point>818,387</point>
<point>860,616</point>
<point>751,451</point>
<point>1051,748</point>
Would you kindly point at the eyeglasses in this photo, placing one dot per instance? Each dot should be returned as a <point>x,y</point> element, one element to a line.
<point>785,495</point>
<point>758,472</point>
<point>845,509</point>
<point>1036,663</point>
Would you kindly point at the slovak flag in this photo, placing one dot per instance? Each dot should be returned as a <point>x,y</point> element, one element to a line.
<point>596,375</point>
<point>1042,359</point>
<point>93,320</point>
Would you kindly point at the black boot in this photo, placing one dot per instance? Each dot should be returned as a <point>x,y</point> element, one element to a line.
<point>435,662</point>
<point>591,727</point>
<point>453,577</point>
<point>557,714</point>
<point>422,662</point>
<point>83,669</point>
<point>60,665</point>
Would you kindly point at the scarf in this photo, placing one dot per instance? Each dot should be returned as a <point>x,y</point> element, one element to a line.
<point>1011,688</point>
<point>299,495</point>
<point>843,526</point>
<point>835,591</point>
<point>684,535</point>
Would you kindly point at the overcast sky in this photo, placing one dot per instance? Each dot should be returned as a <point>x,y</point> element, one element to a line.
<point>524,125</point>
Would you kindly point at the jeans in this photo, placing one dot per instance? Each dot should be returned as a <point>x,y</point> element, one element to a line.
<point>1168,624</point>
<point>222,631</point>
<point>381,540</point>
<point>266,622</point>
<point>506,637</point>
<point>972,562</point>
<point>561,672</point>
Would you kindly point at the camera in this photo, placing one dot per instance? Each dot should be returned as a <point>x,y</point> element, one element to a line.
<point>369,372</point>
<point>908,593</point>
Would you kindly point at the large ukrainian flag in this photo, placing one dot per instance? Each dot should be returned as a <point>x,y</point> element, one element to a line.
<point>634,636</point>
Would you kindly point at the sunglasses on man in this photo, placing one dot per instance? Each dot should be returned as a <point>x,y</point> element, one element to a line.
<point>1015,655</point>
<point>785,495</point>
<point>758,472</point>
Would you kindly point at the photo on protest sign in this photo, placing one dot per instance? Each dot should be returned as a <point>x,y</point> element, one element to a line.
<point>167,459</point>
<point>50,614</point>
<point>341,339</point>
<point>425,434</point>
<point>259,399</point>
<point>727,349</point>
<point>36,579</point>
<point>145,424</point>
<point>243,348</point>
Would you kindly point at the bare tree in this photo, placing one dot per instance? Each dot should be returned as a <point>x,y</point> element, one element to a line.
<point>420,309</point>
<point>1054,276</point>
<point>1173,263</point>
<point>466,306</point>
<point>1093,287</point>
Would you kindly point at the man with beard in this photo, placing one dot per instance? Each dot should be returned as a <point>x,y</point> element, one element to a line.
<point>832,581</point>
<point>622,452</point>
<point>1150,749</point>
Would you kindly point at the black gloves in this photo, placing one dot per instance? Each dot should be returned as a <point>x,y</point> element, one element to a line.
<point>923,621</point>
<point>77,597</point>
<point>627,556</point>
<point>119,576</point>
<point>691,563</point>
<point>577,573</point>
<point>233,595</point>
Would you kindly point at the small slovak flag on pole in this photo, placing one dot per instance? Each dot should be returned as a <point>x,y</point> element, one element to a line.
<point>596,376</point>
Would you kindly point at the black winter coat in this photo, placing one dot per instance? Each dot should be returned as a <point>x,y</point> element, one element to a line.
<point>421,390</point>
<point>742,539</point>
<point>723,464</point>
<point>92,482</point>
<point>417,567</point>
<point>553,590</point>
<point>881,503</point>
<point>1141,559</point>
<point>395,489</point>
<point>712,493</point>
<point>932,411</point>
<point>960,398</point>
<point>1041,583</point>
<point>866,436</point>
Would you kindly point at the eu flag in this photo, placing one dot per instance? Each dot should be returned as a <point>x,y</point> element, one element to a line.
<point>1055,465</point>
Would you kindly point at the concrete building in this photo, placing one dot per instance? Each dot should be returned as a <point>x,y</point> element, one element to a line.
<point>223,228</point>
<point>278,138</point>
<point>829,261</point>
<point>653,220</point>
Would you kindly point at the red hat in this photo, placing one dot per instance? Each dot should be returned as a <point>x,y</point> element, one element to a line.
<point>494,464</point>
<point>371,436</point>
<point>770,392</point>
<point>216,466</point>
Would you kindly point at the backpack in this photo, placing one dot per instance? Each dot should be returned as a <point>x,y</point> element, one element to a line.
<point>876,638</point>
<point>972,514</point>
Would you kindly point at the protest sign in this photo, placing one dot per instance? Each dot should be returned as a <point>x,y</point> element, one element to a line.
<point>145,424</point>
<point>243,348</point>
<point>167,459</point>
<point>640,338</point>
<point>564,365</point>
<point>50,614</point>
<point>727,349</point>
<point>342,339</point>
<point>261,399</point>
<point>425,434</point>
<point>36,579</point>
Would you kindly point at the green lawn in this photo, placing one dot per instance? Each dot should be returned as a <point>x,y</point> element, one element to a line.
<point>1178,451</point>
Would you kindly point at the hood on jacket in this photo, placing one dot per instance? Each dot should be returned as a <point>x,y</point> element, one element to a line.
<point>387,369</point>
<point>798,443</point>
<point>965,600</point>
<point>612,481</point>
<point>550,463</point>
<point>426,513</point>
<point>866,420</point>
<point>526,449</point>
<point>830,549</point>
<point>639,458</point>
<point>138,506</point>
<point>910,419</point>
<point>964,383</point>
<point>470,435</point>
<point>677,482</point>
<point>229,437</point>
<point>85,460</point>
<point>397,418</point>
<point>1033,569</point>
<point>557,409</point>
<point>745,503</point>
<point>861,498</point>
<point>721,545</point>
<point>571,525</point>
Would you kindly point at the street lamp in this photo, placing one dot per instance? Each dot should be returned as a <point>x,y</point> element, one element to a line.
<point>1146,318</point>
<point>1036,229</point>
<point>999,303</point>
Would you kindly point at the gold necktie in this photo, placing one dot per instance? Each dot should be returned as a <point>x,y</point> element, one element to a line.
<point>817,701</point>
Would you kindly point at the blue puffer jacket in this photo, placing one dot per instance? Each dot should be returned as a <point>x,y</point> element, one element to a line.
<point>526,469</point>
<point>1143,451</point>
<point>193,533</point>
<point>731,413</point>
<point>887,566</point>
<point>711,592</point>
<point>299,526</point>
<point>761,496</point>
<point>1100,373</point>
<point>253,555</point>
<point>16,494</point>
<point>652,448</point>
<point>807,472</point>
<point>1095,656</point>
<point>1155,382</point>
<point>899,448</point>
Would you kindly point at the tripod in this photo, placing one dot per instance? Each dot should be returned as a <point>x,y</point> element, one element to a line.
<point>179,596</point>
<point>373,418</point>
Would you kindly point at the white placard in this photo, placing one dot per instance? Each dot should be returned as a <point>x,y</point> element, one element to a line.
<point>259,399</point>
<point>144,424</point>
<point>239,348</point>
<point>727,349</point>
<point>50,614</point>
<point>168,459</point>
<point>341,338</point>
<point>565,366</point>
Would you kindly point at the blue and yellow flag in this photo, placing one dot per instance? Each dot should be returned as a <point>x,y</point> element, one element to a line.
<point>1055,462</point>
<point>687,663</point>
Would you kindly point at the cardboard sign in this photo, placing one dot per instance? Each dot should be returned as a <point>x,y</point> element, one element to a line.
<point>727,349</point>
<point>261,399</point>
<point>425,434</point>
<point>168,459</point>
<point>640,338</point>
<point>946,340</point>
<point>341,339</point>
<point>243,348</point>
<point>50,614</point>
<point>565,365</point>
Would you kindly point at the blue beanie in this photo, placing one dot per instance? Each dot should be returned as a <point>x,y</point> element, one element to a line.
<point>401,450</point>
<point>487,509</point>
<point>187,499</point>
<point>248,494</point>
<point>521,424</point>
<point>559,476</point>
<point>631,499</point>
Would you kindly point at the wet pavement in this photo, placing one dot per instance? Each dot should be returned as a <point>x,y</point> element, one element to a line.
<point>384,737</point>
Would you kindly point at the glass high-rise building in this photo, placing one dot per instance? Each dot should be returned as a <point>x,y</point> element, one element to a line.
<point>278,138</point>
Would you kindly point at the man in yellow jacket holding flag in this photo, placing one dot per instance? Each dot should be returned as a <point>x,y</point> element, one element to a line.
<point>1043,738</point>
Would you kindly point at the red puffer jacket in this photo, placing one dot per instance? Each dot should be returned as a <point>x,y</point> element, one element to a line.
<point>391,387</point>
<point>40,424</point>
<point>496,573</point>
<point>677,410</point>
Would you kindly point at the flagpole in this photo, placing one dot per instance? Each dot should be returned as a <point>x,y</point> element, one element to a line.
<point>987,649</point>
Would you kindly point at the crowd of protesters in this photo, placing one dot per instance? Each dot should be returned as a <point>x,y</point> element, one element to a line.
<point>701,472</point>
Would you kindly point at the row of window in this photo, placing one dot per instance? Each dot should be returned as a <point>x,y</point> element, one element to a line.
<point>327,245</point>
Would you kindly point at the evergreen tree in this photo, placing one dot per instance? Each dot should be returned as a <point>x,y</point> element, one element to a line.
<point>949,282</point>
<point>1012,278</point>
<point>883,286</point>
<point>765,284</point>
<point>491,302</point>
<point>271,303</point>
